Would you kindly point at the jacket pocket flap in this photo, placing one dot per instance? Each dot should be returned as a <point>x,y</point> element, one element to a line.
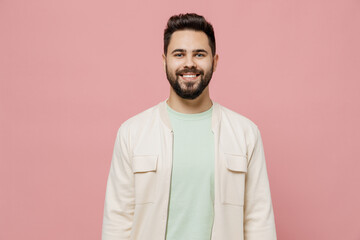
<point>144,163</point>
<point>237,163</point>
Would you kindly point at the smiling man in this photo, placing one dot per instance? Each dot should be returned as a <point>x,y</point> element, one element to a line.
<point>190,64</point>
<point>188,168</point>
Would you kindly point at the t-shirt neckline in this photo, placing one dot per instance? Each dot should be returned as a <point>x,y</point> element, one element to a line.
<point>190,116</point>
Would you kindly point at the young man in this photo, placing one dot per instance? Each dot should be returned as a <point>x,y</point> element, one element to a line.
<point>188,168</point>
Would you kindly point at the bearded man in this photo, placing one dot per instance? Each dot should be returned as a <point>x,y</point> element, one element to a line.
<point>188,168</point>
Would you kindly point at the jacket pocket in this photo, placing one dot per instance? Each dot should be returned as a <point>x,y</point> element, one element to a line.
<point>233,179</point>
<point>144,169</point>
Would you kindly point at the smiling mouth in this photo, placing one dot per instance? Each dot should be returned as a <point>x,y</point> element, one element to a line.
<point>189,76</point>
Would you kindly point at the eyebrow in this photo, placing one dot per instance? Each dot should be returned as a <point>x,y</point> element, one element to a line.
<point>196,50</point>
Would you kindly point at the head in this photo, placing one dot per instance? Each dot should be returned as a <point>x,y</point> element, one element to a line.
<point>189,54</point>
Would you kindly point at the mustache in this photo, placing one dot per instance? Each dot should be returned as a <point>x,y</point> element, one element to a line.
<point>189,70</point>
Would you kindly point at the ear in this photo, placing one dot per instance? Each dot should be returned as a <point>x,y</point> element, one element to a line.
<point>216,58</point>
<point>164,61</point>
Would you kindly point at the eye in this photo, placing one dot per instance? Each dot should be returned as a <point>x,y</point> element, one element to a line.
<point>200,55</point>
<point>178,55</point>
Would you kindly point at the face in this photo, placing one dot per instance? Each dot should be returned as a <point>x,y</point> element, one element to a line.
<point>189,63</point>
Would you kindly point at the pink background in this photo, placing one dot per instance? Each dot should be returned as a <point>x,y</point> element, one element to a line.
<point>72,71</point>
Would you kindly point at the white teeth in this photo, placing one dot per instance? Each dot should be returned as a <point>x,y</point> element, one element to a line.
<point>189,76</point>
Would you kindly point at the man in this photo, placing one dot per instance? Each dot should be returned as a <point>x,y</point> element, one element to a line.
<point>188,168</point>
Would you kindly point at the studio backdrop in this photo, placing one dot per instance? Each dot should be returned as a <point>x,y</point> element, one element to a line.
<point>72,71</point>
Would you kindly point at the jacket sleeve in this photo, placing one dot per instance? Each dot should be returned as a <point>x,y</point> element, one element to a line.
<point>119,198</point>
<point>259,222</point>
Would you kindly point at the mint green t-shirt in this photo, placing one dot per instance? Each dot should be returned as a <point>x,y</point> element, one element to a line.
<point>191,204</point>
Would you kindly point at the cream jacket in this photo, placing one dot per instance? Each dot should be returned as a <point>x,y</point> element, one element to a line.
<point>138,185</point>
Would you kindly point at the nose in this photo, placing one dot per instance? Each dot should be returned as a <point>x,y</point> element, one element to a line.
<point>189,63</point>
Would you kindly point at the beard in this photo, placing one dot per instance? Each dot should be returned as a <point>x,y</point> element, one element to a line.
<point>192,89</point>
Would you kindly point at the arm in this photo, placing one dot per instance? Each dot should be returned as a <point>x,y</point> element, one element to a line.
<point>259,222</point>
<point>119,198</point>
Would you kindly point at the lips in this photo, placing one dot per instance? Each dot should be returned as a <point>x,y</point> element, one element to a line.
<point>189,76</point>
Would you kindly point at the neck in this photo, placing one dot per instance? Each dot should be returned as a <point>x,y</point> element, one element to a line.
<point>200,104</point>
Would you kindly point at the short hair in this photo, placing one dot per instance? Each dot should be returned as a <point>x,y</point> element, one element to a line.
<point>189,21</point>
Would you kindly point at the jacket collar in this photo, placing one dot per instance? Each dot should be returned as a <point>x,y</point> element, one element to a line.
<point>215,118</point>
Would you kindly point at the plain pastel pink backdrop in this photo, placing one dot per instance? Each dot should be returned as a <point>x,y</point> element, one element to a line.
<point>72,71</point>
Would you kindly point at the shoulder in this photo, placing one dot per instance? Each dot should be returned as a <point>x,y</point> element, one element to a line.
<point>237,119</point>
<point>139,120</point>
<point>238,131</point>
<point>140,117</point>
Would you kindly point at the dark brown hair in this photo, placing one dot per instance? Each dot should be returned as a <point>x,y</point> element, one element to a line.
<point>190,21</point>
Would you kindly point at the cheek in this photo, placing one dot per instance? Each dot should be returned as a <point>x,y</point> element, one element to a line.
<point>206,67</point>
<point>205,64</point>
<point>173,68</point>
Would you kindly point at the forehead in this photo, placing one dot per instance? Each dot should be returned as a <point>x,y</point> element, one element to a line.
<point>189,39</point>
